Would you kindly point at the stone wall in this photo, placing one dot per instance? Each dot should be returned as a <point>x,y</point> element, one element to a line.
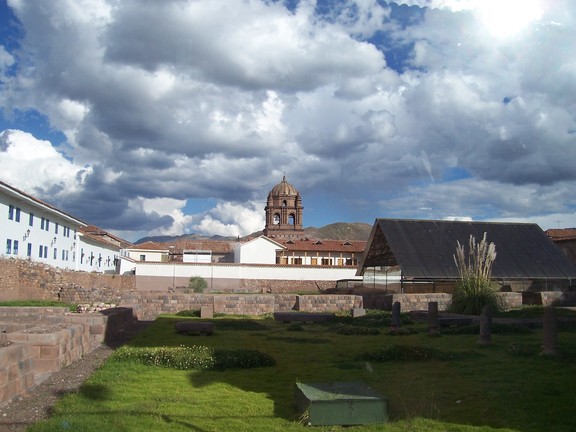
<point>419,302</point>
<point>28,280</point>
<point>550,298</point>
<point>36,342</point>
<point>148,305</point>
<point>284,286</point>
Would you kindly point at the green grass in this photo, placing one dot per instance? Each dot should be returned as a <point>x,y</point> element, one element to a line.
<point>37,303</point>
<point>445,383</point>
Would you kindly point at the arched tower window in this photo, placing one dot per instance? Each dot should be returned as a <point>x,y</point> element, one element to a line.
<point>291,219</point>
<point>276,219</point>
<point>284,203</point>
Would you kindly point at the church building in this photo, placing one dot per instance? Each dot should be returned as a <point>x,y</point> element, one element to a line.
<point>284,212</point>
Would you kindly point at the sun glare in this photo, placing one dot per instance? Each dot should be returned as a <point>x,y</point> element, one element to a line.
<point>504,18</point>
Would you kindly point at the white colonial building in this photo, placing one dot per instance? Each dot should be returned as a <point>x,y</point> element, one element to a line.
<point>34,230</point>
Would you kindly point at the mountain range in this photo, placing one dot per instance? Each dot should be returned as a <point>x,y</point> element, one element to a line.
<point>335,231</point>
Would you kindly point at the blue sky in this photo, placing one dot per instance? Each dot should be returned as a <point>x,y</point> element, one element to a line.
<point>172,117</point>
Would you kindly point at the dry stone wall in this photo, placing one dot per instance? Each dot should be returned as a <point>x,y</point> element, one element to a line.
<point>148,305</point>
<point>36,342</point>
<point>24,280</point>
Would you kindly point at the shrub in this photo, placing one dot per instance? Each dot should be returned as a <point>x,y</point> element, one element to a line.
<point>182,357</point>
<point>196,357</point>
<point>189,313</point>
<point>375,318</point>
<point>496,328</point>
<point>197,284</point>
<point>404,353</point>
<point>347,329</point>
<point>521,350</point>
<point>241,358</point>
<point>474,289</point>
<point>399,331</point>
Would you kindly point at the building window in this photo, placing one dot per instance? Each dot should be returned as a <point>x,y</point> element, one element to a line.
<point>43,251</point>
<point>82,256</point>
<point>56,228</point>
<point>326,261</point>
<point>15,248</point>
<point>142,257</point>
<point>8,247</point>
<point>14,213</point>
<point>297,261</point>
<point>55,253</point>
<point>31,219</point>
<point>29,251</point>
<point>42,223</point>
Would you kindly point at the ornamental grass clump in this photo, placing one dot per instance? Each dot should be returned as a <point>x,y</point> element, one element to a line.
<point>474,289</point>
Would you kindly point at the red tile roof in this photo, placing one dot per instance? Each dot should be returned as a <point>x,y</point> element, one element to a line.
<point>103,236</point>
<point>562,234</point>
<point>315,245</point>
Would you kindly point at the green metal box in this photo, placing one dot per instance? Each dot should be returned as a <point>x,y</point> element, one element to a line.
<point>340,403</point>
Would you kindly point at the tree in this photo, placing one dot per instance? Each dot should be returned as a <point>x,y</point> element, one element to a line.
<point>197,284</point>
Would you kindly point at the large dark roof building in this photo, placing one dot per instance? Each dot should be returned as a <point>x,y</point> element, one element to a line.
<point>424,249</point>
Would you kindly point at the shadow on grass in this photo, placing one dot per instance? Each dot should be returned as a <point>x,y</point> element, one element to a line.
<point>96,392</point>
<point>493,383</point>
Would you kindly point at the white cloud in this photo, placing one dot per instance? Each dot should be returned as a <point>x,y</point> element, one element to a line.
<point>36,167</point>
<point>229,219</point>
<point>171,102</point>
<point>6,59</point>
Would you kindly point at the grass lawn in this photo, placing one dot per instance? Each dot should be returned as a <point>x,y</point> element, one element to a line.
<point>506,386</point>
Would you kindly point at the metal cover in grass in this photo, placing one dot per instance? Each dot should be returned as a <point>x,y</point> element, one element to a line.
<point>340,403</point>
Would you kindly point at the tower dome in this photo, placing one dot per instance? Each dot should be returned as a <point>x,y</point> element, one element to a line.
<point>283,211</point>
<point>283,189</point>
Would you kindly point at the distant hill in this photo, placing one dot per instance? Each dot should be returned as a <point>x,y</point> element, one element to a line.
<point>341,231</point>
<point>167,239</point>
<point>335,231</point>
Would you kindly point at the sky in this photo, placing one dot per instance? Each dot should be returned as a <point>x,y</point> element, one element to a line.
<point>179,116</point>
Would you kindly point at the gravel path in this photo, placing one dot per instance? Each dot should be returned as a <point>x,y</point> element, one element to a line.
<point>19,414</point>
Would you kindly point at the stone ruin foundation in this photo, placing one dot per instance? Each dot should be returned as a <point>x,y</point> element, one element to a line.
<point>38,341</point>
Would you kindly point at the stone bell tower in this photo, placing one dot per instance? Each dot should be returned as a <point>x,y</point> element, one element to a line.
<point>284,212</point>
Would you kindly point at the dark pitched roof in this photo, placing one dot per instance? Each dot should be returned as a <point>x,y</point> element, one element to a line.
<point>426,248</point>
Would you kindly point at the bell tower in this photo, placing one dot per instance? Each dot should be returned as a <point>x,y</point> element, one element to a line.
<point>284,211</point>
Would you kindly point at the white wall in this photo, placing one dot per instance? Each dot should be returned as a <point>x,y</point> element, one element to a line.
<point>96,257</point>
<point>149,255</point>
<point>244,271</point>
<point>258,251</point>
<point>47,236</point>
<point>197,256</point>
